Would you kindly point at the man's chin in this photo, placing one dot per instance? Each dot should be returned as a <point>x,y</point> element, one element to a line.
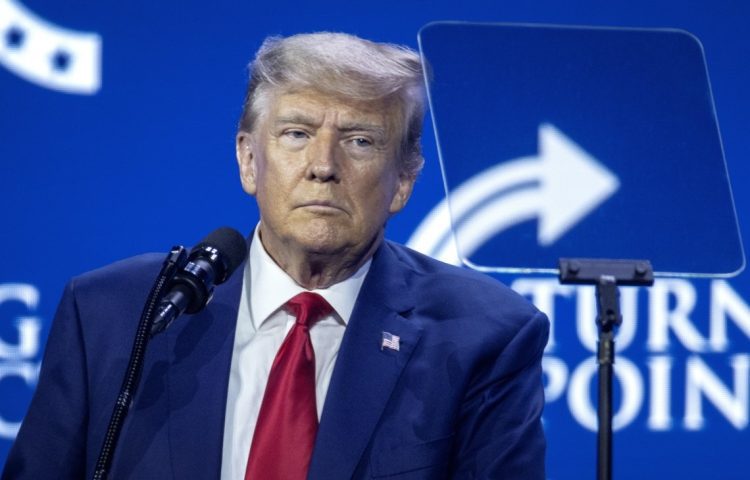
<point>329,245</point>
<point>322,248</point>
<point>340,247</point>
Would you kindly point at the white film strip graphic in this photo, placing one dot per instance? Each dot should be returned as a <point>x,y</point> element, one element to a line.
<point>46,54</point>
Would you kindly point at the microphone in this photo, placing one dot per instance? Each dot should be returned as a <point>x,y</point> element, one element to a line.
<point>209,263</point>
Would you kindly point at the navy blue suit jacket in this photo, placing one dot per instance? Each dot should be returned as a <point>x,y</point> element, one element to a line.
<point>461,398</point>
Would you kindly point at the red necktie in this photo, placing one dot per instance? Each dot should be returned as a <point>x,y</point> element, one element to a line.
<point>288,419</point>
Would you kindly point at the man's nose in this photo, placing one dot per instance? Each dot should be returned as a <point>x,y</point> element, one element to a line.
<point>323,158</point>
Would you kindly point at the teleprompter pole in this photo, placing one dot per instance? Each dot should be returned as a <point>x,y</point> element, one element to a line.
<point>607,275</point>
<point>608,318</point>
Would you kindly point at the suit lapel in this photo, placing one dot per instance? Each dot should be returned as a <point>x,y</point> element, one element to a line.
<point>365,374</point>
<point>200,352</point>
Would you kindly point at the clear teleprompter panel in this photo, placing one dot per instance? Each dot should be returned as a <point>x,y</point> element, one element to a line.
<point>560,141</point>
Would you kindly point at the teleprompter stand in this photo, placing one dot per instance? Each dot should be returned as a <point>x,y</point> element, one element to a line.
<point>607,275</point>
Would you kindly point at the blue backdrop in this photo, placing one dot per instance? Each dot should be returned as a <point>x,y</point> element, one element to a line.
<point>131,149</point>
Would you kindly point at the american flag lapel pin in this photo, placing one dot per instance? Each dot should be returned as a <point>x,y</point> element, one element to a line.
<point>390,341</point>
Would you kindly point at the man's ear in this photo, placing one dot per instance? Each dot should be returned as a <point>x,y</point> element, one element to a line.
<point>246,157</point>
<point>403,192</point>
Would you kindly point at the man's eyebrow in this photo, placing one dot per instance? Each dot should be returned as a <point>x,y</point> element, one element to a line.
<point>299,118</point>
<point>303,119</point>
<point>373,128</point>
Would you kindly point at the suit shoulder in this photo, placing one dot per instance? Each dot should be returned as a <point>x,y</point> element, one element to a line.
<point>122,278</point>
<point>456,290</point>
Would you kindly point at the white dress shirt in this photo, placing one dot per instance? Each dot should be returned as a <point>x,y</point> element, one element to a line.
<point>262,326</point>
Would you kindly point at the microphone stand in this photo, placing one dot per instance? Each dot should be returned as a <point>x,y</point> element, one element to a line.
<point>175,260</point>
<point>606,275</point>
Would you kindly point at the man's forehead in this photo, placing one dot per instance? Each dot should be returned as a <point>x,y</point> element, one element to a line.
<point>312,106</point>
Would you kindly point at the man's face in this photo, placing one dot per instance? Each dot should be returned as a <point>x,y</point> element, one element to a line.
<point>325,173</point>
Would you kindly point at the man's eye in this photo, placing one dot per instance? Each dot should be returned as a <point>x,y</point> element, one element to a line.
<point>361,142</point>
<point>296,134</point>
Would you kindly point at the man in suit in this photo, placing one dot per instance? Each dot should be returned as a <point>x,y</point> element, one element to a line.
<point>414,369</point>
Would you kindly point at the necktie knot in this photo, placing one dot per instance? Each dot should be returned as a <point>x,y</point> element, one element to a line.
<point>309,307</point>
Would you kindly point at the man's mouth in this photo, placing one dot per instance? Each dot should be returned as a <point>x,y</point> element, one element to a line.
<point>321,206</point>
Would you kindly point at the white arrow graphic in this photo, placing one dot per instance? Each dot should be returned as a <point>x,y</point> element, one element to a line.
<point>560,186</point>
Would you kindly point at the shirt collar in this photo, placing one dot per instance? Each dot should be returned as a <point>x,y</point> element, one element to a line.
<point>271,287</point>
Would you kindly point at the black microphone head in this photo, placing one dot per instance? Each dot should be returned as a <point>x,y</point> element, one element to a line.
<point>228,245</point>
